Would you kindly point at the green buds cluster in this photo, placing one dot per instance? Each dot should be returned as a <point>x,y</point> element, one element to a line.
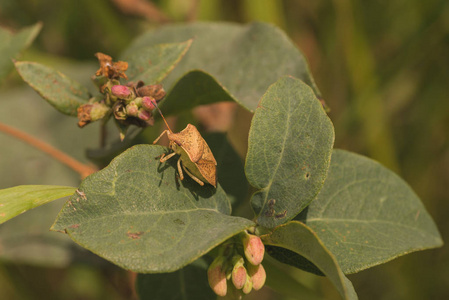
<point>129,104</point>
<point>238,269</point>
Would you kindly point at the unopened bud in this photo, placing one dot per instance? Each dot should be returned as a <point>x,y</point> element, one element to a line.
<point>253,248</point>
<point>238,272</point>
<point>144,115</point>
<point>122,92</point>
<point>217,276</point>
<point>258,276</point>
<point>156,91</point>
<point>132,109</point>
<point>148,103</point>
<point>91,112</point>
<point>248,285</point>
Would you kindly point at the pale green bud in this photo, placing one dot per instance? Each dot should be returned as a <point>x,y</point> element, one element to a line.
<point>248,285</point>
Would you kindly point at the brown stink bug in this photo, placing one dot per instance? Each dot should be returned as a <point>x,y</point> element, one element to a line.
<point>196,158</point>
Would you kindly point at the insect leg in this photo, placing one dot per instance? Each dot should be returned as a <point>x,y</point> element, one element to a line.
<point>181,175</point>
<point>164,157</point>
<point>163,132</point>
<point>193,176</point>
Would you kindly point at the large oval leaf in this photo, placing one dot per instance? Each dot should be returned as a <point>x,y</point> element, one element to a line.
<point>19,199</point>
<point>193,89</point>
<point>290,144</point>
<point>367,215</point>
<point>136,214</point>
<point>154,63</point>
<point>297,237</point>
<point>13,43</point>
<point>61,92</point>
<point>245,59</point>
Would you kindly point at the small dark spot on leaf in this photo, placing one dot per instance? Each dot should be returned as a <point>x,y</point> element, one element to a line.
<point>281,215</point>
<point>179,222</point>
<point>74,226</point>
<point>269,212</point>
<point>307,175</point>
<point>134,235</point>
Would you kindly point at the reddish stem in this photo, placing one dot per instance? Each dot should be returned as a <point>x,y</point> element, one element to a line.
<point>82,169</point>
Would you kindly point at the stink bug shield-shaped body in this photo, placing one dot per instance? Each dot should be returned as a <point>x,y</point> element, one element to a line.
<point>196,158</point>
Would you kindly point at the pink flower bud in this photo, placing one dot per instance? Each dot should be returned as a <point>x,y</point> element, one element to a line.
<point>238,272</point>
<point>122,92</point>
<point>148,103</point>
<point>217,276</point>
<point>258,276</point>
<point>253,248</point>
<point>239,277</point>
<point>144,115</point>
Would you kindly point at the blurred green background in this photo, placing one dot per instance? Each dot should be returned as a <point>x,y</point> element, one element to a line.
<point>382,67</point>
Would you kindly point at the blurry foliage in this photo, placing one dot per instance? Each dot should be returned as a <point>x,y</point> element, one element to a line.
<point>382,67</point>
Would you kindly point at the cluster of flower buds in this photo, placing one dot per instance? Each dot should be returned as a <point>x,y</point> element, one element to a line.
<point>238,267</point>
<point>129,104</point>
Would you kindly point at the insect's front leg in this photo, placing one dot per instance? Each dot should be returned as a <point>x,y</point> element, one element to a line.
<point>159,137</point>
<point>164,157</point>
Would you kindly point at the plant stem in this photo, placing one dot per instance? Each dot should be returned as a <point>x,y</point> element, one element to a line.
<point>82,169</point>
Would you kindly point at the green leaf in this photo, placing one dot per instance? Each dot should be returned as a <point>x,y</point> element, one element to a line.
<point>12,44</point>
<point>293,259</point>
<point>154,63</point>
<point>60,91</point>
<point>290,144</point>
<point>297,237</point>
<point>245,59</point>
<point>188,283</point>
<point>138,215</point>
<point>193,89</point>
<point>19,199</point>
<point>367,215</point>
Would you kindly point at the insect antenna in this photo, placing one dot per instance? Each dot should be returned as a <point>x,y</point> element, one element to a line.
<point>165,121</point>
